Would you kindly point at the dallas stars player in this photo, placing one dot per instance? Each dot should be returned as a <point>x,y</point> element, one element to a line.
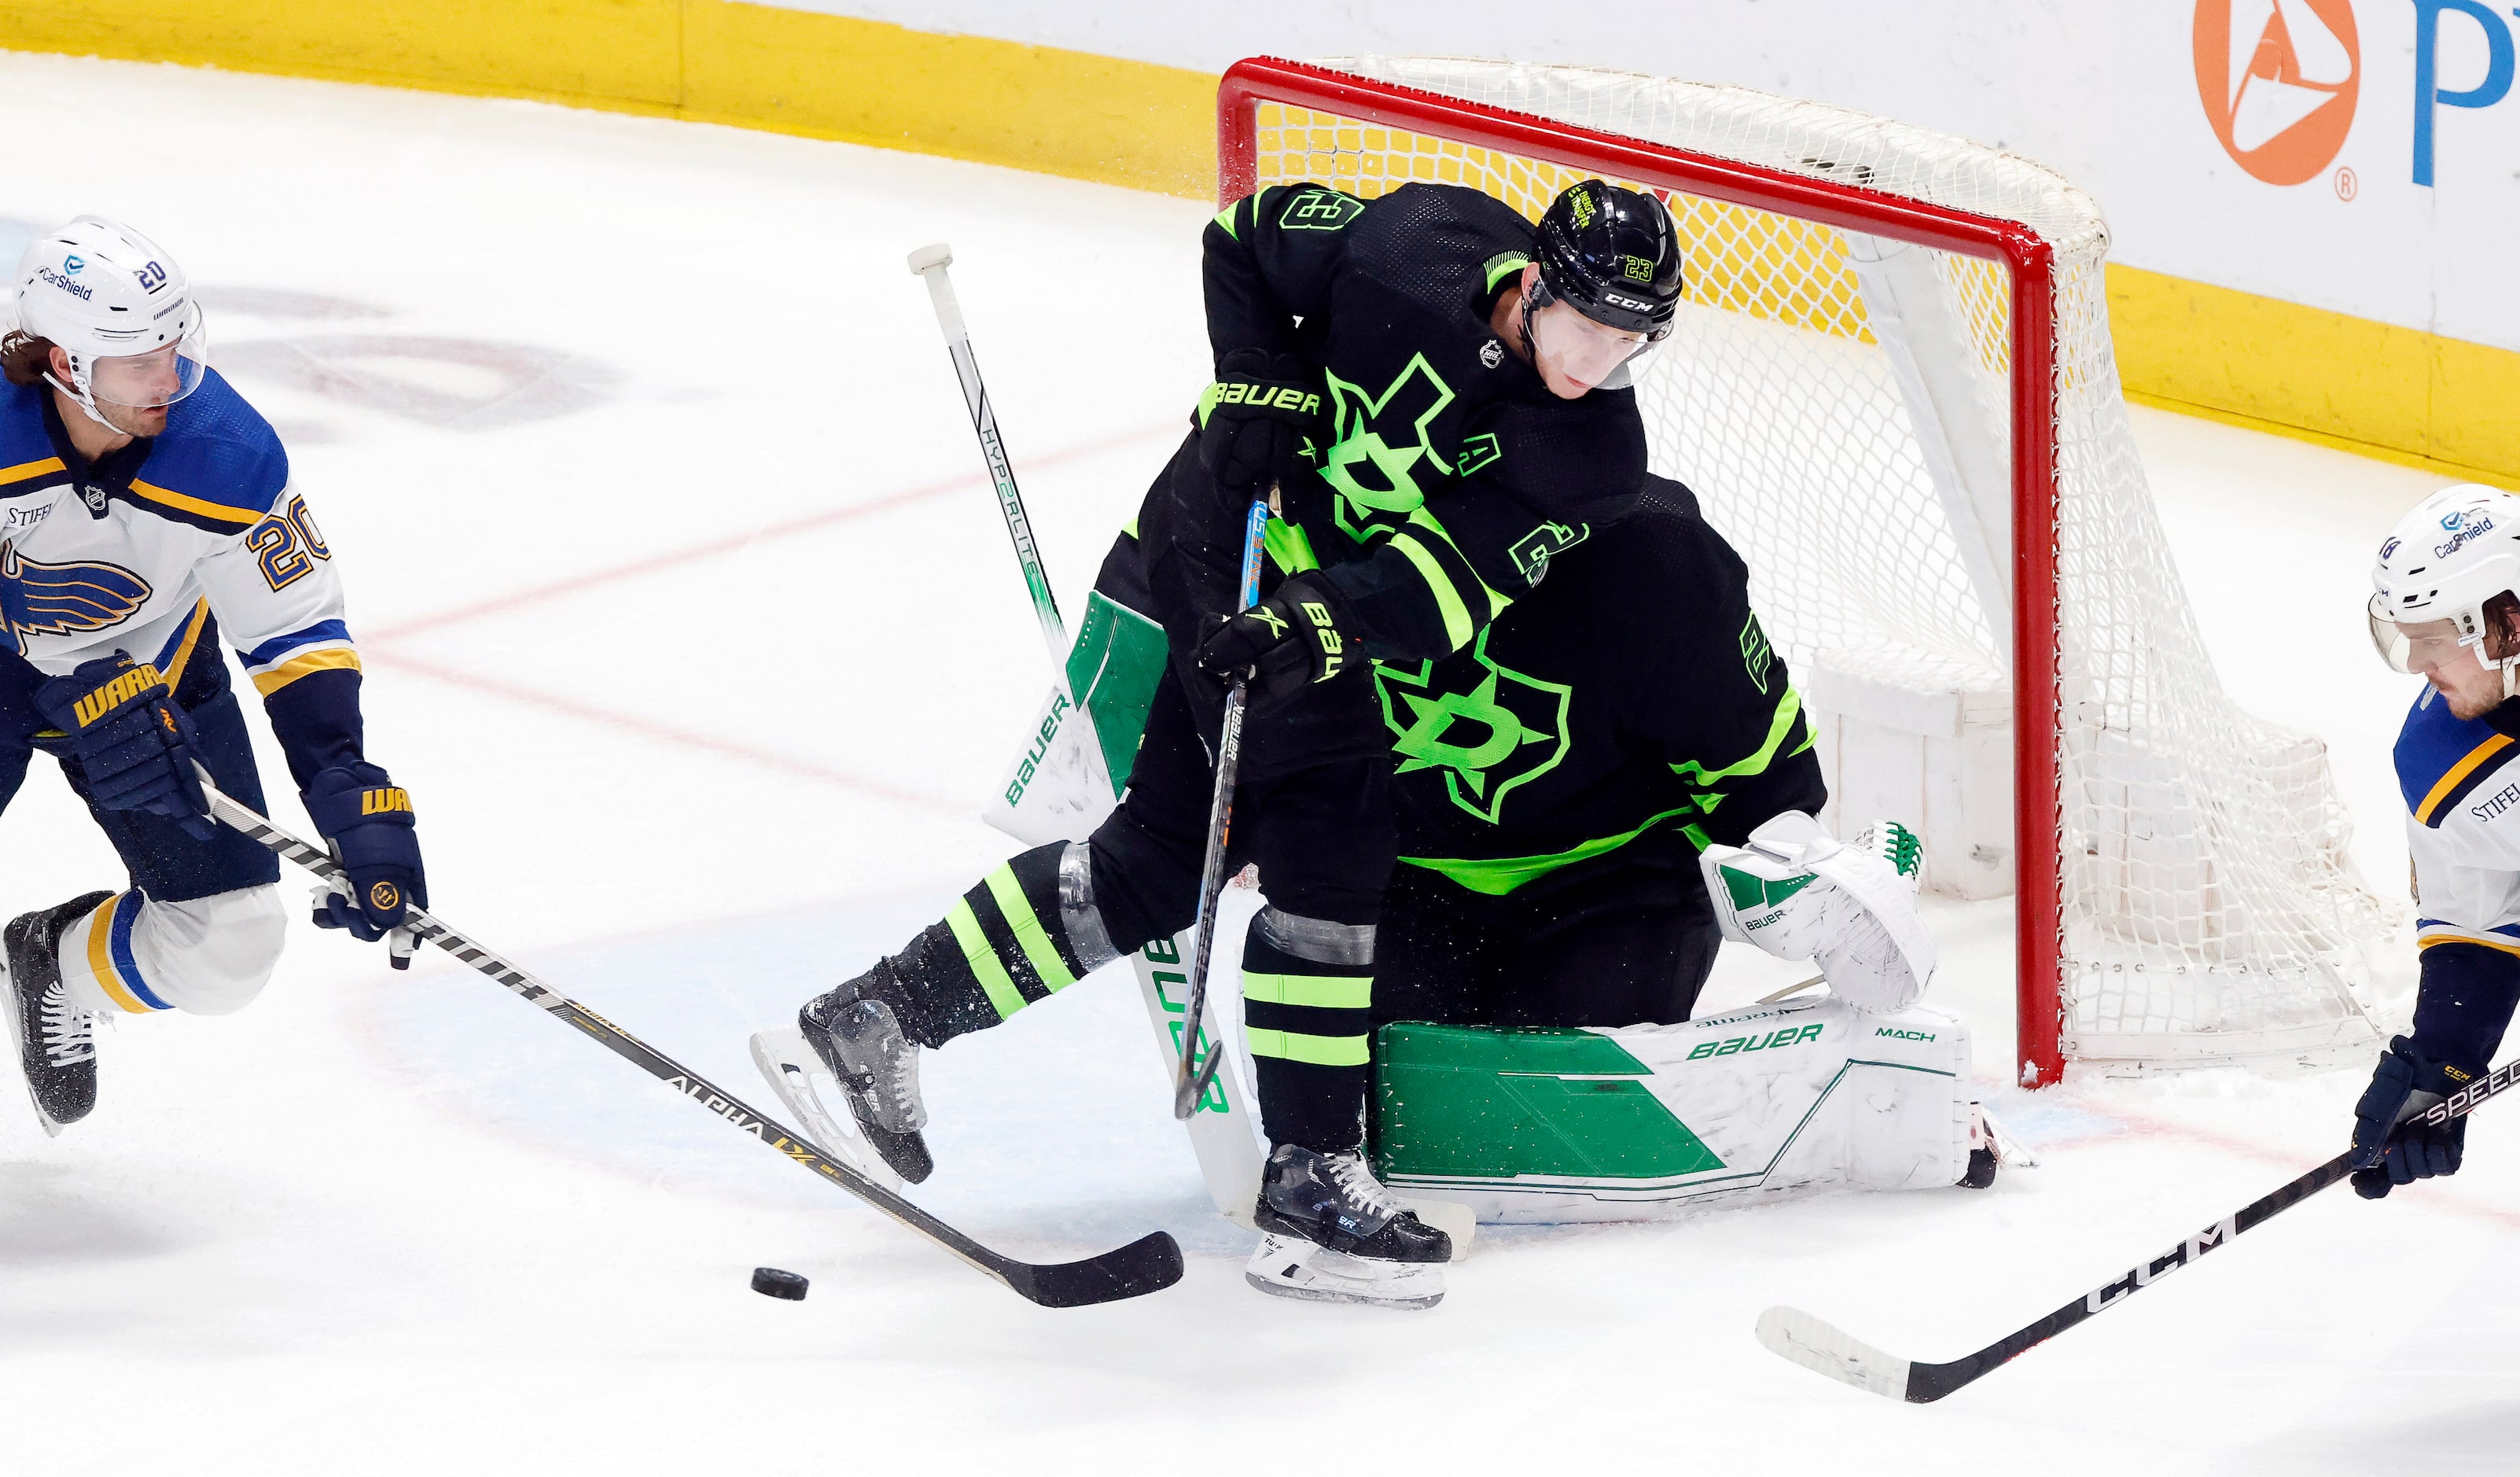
<point>1435,396</point>
<point>147,507</point>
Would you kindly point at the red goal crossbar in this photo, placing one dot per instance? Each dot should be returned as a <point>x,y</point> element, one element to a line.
<point>2030,262</point>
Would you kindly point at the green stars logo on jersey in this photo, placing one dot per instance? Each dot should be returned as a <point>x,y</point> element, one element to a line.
<point>1380,445</point>
<point>1506,731</point>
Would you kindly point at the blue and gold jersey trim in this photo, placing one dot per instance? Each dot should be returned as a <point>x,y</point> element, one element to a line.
<point>33,476</point>
<point>2443,759</point>
<point>321,647</point>
<point>182,507</point>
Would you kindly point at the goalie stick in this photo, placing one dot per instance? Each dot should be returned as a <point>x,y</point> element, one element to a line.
<point>1821,1346</point>
<point>1150,1263</point>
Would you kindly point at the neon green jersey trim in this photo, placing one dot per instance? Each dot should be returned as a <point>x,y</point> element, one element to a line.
<point>1420,518</point>
<point>1498,266</point>
<point>1329,991</point>
<point>993,979</point>
<point>1289,547</point>
<point>1457,628</point>
<point>1788,708</point>
<point>1028,930</point>
<point>1224,218</point>
<point>1500,875</point>
<point>1319,1050</point>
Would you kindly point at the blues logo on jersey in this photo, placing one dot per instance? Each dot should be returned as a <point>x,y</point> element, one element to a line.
<point>39,599</point>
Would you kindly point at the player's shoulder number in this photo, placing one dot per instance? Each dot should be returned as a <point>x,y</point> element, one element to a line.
<point>1319,209</point>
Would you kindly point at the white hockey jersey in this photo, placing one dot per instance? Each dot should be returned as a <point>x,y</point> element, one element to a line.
<point>2462,793</point>
<point>164,541</point>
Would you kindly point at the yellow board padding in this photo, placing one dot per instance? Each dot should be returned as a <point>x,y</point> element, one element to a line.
<point>1038,108</point>
<point>2399,395</point>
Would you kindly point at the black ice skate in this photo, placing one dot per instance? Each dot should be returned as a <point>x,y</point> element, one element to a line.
<point>56,1044</point>
<point>859,1037</point>
<point>1331,1234</point>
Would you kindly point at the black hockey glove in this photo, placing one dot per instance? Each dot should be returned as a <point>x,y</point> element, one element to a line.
<point>2391,1150</point>
<point>134,744</point>
<point>1253,419</point>
<point>1282,645</point>
<point>368,819</point>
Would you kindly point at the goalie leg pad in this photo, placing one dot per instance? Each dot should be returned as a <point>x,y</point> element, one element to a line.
<point>1631,1124</point>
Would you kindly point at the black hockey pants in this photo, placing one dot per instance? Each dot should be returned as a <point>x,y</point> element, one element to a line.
<point>1628,946</point>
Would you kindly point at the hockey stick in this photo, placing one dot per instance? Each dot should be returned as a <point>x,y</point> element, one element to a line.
<point>1219,1133</point>
<point>1146,1264</point>
<point>1817,1345</point>
<point>1192,1080</point>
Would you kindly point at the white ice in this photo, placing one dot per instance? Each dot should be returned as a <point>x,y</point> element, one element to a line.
<point>692,628</point>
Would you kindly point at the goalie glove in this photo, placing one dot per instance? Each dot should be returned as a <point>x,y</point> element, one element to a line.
<point>1796,894</point>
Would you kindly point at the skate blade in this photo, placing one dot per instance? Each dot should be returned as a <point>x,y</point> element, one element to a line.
<point>1290,1267</point>
<point>788,1064</point>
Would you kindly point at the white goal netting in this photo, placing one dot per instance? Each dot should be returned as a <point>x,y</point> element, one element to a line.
<point>1840,404</point>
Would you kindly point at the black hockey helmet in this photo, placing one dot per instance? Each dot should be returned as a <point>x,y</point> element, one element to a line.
<point>1613,255</point>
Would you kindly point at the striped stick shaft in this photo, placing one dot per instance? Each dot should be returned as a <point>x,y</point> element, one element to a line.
<point>1002,472</point>
<point>783,1140</point>
<point>1191,1082</point>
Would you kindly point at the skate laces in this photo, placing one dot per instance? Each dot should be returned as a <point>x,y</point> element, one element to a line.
<point>1357,1183</point>
<point>68,1036</point>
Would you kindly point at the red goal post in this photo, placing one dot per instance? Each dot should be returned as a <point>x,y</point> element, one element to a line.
<point>2028,263</point>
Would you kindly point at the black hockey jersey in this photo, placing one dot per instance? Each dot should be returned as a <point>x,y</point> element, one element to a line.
<point>1445,479</point>
<point>1630,710</point>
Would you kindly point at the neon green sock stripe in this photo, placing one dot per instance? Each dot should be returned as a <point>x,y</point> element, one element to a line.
<point>1319,1050</point>
<point>1330,992</point>
<point>983,959</point>
<point>1457,616</point>
<point>1028,930</point>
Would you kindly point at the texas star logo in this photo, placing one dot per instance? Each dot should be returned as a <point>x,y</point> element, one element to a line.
<point>39,599</point>
<point>1506,731</point>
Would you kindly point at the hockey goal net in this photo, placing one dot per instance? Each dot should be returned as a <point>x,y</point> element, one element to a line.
<point>1892,389</point>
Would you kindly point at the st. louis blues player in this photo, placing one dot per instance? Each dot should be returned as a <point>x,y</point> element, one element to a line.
<point>2446,607</point>
<point>144,512</point>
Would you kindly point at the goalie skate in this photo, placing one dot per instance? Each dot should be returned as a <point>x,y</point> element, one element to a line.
<point>792,1070</point>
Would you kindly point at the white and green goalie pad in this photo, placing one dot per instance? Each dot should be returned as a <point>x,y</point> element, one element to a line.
<point>1074,763</point>
<point>1646,1121</point>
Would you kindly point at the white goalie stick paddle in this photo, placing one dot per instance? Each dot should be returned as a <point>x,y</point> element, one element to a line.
<point>1221,1135</point>
<point>1816,1343</point>
<point>1150,1263</point>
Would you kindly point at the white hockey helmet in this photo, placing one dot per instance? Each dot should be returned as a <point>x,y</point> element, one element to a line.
<point>2446,561</point>
<point>120,308</point>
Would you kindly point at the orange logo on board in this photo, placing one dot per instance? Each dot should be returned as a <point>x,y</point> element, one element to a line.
<point>2278,79</point>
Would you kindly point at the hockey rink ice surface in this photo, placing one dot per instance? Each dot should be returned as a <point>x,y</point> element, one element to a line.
<point>691,626</point>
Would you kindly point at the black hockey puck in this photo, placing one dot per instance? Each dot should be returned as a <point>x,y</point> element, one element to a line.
<point>771,1282</point>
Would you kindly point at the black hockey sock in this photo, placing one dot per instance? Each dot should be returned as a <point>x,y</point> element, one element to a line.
<point>1307,998</point>
<point>1000,947</point>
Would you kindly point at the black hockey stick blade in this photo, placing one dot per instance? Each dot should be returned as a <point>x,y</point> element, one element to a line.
<point>1150,1263</point>
<point>1824,1348</point>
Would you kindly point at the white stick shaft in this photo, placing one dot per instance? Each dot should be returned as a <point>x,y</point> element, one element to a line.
<point>930,263</point>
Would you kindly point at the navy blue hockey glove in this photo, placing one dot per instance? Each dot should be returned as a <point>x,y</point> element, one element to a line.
<point>1281,646</point>
<point>2391,1150</point>
<point>134,745</point>
<point>1253,419</point>
<point>368,819</point>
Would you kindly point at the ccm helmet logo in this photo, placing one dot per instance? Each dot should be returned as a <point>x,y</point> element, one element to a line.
<point>1630,303</point>
<point>2278,79</point>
